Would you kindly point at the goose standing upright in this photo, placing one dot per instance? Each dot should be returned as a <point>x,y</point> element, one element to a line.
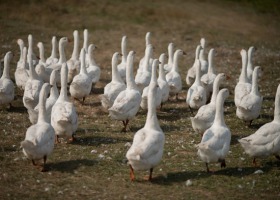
<point>42,59</point>
<point>92,68</point>
<point>203,61</point>
<point>243,87</point>
<point>162,82</point>
<point>41,68</point>
<point>30,50</point>
<point>173,77</point>
<point>143,61</point>
<point>21,62</point>
<point>40,137</point>
<point>112,89</point>
<point>85,46</point>
<point>21,72</point>
<point>74,63</point>
<point>81,84</point>
<point>143,75</point>
<point>127,103</point>
<point>7,92</point>
<point>62,57</point>
<point>215,143</point>
<point>207,80</point>
<point>53,57</point>
<point>146,150</point>
<point>169,64</point>
<point>196,95</point>
<point>205,116</point>
<point>192,71</point>
<point>145,94</point>
<point>250,63</point>
<point>266,140</point>
<point>250,105</point>
<point>64,118</point>
<point>122,65</point>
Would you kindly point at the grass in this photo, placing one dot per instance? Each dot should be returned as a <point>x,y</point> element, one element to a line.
<point>94,167</point>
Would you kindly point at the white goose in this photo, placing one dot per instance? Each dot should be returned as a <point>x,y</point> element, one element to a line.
<point>215,143</point>
<point>266,140</point>
<point>243,87</point>
<point>143,75</point>
<point>169,64</point>
<point>122,65</point>
<point>207,80</point>
<point>145,94</point>
<point>205,116</point>
<point>62,57</point>
<point>250,64</point>
<point>64,118</point>
<point>250,105</point>
<point>74,63</point>
<point>127,103</point>
<point>92,68</point>
<point>30,50</point>
<point>22,59</point>
<point>196,95</point>
<point>143,61</point>
<point>112,89</point>
<point>173,77</point>
<point>7,92</point>
<point>203,61</point>
<point>41,48</point>
<point>41,68</point>
<point>53,57</point>
<point>146,150</point>
<point>162,82</point>
<point>81,84</point>
<point>192,71</point>
<point>21,72</point>
<point>40,137</point>
<point>85,46</point>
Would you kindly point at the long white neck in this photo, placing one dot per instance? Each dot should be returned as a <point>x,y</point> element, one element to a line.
<point>152,120</point>
<point>54,47</point>
<point>123,47</point>
<point>250,55</point>
<point>91,49</point>
<point>42,115</point>
<point>243,76</point>
<point>41,52</point>
<point>148,38</point>
<point>129,72</point>
<point>62,57</point>
<point>115,73</point>
<point>6,71</point>
<point>161,67</point>
<point>30,45</point>
<point>63,91</point>
<point>211,69</point>
<point>219,117</point>
<point>177,53</point>
<point>24,58</point>
<point>83,62</point>
<point>255,87</point>
<point>85,45</point>
<point>75,53</point>
<point>216,86</point>
<point>201,53</point>
<point>277,105</point>
<point>54,90</point>
<point>21,46</point>
<point>170,53</point>
<point>32,72</point>
<point>148,55</point>
<point>198,48</point>
<point>198,73</point>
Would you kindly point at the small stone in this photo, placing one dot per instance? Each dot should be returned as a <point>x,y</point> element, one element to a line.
<point>188,183</point>
<point>128,144</point>
<point>93,151</point>
<point>258,172</point>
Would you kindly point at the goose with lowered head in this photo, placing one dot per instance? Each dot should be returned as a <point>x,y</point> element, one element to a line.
<point>40,137</point>
<point>215,142</point>
<point>7,92</point>
<point>112,89</point>
<point>266,140</point>
<point>146,150</point>
<point>64,118</point>
<point>127,103</point>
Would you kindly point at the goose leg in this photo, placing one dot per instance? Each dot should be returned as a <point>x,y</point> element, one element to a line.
<point>132,176</point>
<point>150,175</point>
<point>84,100</point>
<point>255,162</point>
<point>44,165</point>
<point>223,163</point>
<point>33,162</point>
<point>57,139</point>
<point>191,111</point>
<point>207,168</point>
<point>277,156</point>
<point>125,123</point>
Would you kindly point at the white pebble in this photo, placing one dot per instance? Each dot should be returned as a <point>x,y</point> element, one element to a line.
<point>93,151</point>
<point>188,182</point>
<point>258,172</point>
<point>128,144</point>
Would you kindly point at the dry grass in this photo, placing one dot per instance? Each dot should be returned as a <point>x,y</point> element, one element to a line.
<point>94,166</point>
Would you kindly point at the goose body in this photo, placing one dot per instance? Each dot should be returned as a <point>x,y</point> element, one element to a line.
<point>93,69</point>
<point>250,105</point>
<point>64,118</point>
<point>162,82</point>
<point>192,71</point>
<point>7,92</point>
<point>112,89</point>
<point>21,72</point>
<point>127,103</point>
<point>74,63</point>
<point>81,84</point>
<point>168,65</point>
<point>122,65</point>
<point>145,94</point>
<point>207,80</point>
<point>146,150</point>
<point>173,77</point>
<point>196,95</point>
<point>243,87</point>
<point>266,140</point>
<point>40,137</point>
<point>215,143</point>
<point>205,116</point>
